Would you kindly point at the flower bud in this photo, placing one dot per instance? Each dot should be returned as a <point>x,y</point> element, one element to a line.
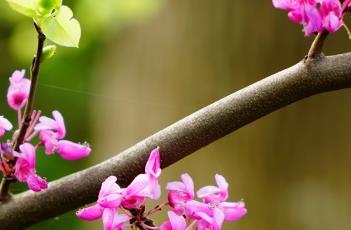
<point>48,52</point>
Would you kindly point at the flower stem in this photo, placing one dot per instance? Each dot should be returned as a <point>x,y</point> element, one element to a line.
<point>4,188</point>
<point>317,46</point>
<point>34,73</point>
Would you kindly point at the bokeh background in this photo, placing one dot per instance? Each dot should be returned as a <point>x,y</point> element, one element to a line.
<point>144,64</point>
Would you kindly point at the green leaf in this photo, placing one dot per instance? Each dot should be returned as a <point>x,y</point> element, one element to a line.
<point>25,7</point>
<point>62,28</point>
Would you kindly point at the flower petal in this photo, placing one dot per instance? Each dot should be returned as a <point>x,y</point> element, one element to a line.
<point>90,213</point>
<point>69,150</point>
<point>152,166</point>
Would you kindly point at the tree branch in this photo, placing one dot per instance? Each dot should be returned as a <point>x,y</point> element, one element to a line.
<point>34,74</point>
<point>182,138</point>
<point>317,46</point>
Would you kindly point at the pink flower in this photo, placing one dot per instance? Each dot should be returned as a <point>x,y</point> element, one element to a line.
<point>285,4</point>
<point>207,222</point>
<point>114,221</point>
<point>18,91</point>
<point>314,15</point>
<point>25,168</point>
<point>175,222</point>
<point>51,131</point>
<point>180,193</point>
<point>214,209</point>
<point>215,197</point>
<point>69,150</point>
<point>311,19</point>
<point>57,125</point>
<point>153,171</point>
<point>331,12</point>
<point>217,193</point>
<point>90,213</point>
<point>144,185</point>
<point>133,195</point>
<point>49,140</point>
<point>109,197</point>
<point>5,125</point>
<point>110,193</point>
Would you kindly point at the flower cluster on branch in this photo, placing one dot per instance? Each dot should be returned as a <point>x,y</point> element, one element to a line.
<point>315,15</point>
<point>120,208</point>
<point>20,163</point>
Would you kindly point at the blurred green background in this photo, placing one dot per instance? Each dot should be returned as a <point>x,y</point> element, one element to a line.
<point>144,64</point>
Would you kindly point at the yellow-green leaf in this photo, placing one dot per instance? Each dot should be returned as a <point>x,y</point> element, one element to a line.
<point>62,28</point>
<point>25,7</point>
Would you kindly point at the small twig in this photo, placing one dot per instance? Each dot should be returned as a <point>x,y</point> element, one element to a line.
<point>347,30</point>
<point>317,46</point>
<point>34,73</point>
<point>4,188</point>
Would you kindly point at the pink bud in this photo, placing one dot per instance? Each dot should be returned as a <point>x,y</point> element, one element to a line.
<point>18,91</point>
<point>72,151</point>
<point>90,213</point>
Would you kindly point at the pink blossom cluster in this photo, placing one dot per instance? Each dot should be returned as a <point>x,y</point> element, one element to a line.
<point>121,208</point>
<point>315,15</point>
<point>20,163</point>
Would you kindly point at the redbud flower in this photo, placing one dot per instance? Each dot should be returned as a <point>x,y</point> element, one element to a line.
<point>207,222</point>
<point>111,196</point>
<point>51,131</point>
<point>207,215</point>
<point>314,15</point>
<point>331,13</point>
<point>69,150</point>
<point>144,185</point>
<point>214,197</point>
<point>18,91</point>
<point>5,125</point>
<point>217,193</point>
<point>107,199</point>
<point>114,221</point>
<point>175,222</point>
<point>49,140</point>
<point>25,168</point>
<point>57,125</point>
<point>180,192</point>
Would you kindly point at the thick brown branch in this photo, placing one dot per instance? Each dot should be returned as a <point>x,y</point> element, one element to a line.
<point>182,138</point>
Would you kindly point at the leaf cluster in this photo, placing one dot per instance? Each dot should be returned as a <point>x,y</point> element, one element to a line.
<point>54,19</point>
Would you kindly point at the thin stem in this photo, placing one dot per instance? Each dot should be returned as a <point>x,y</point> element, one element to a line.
<point>19,117</point>
<point>156,209</point>
<point>34,73</point>
<point>191,225</point>
<point>4,188</point>
<point>317,46</point>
